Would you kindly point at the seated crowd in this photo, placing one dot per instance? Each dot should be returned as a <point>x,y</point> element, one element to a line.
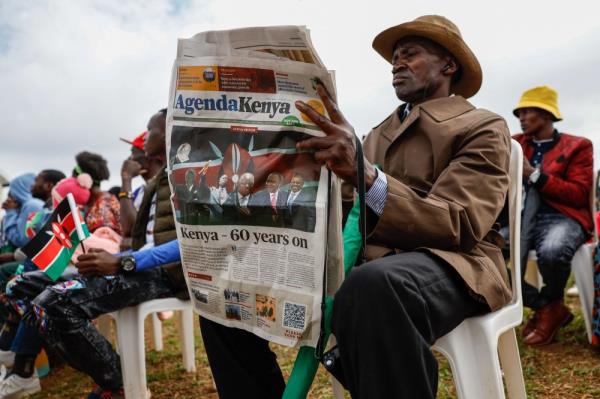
<point>434,250</point>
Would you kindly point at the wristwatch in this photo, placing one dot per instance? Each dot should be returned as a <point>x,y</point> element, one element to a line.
<point>128,265</point>
<point>125,194</point>
<point>535,175</point>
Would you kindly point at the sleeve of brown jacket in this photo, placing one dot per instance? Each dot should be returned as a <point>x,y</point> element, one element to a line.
<point>464,201</point>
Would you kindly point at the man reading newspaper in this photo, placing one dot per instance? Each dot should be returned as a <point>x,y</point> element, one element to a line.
<point>431,246</point>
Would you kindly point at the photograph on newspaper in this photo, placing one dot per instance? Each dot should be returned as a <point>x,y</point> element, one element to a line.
<point>247,177</point>
<point>251,209</point>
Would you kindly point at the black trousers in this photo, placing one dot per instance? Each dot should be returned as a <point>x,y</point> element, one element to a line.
<point>386,316</point>
<point>242,364</point>
<point>63,313</point>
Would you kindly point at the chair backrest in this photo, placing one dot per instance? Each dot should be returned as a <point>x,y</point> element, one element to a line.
<point>515,195</point>
<point>593,205</point>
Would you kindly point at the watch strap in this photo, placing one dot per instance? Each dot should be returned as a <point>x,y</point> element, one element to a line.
<point>125,194</point>
<point>534,176</point>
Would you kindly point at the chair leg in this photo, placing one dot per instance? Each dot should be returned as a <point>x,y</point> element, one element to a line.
<point>508,350</point>
<point>473,358</point>
<point>532,274</point>
<point>104,326</point>
<point>186,333</point>
<point>157,336</point>
<point>130,335</point>
<point>582,266</point>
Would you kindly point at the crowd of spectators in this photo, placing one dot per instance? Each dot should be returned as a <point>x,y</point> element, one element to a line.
<point>434,248</point>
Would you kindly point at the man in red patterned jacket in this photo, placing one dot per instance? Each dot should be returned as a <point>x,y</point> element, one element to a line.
<point>557,219</point>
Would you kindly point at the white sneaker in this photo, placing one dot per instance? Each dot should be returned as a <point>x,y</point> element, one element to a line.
<point>7,358</point>
<point>14,387</point>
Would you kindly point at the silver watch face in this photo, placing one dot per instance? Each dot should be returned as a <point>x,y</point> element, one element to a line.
<point>128,264</point>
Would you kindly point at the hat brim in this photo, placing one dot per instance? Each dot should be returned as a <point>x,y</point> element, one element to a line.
<point>131,143</point>
<point>471,76</point>
<point>126,141</point>
<point>534,104</point>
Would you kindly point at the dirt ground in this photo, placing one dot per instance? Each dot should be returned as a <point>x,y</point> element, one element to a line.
<point>568,368</point>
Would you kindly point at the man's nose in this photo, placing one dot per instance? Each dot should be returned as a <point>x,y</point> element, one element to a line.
<point>397,67</point>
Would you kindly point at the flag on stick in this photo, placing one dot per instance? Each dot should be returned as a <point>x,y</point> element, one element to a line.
<point>53,246</point>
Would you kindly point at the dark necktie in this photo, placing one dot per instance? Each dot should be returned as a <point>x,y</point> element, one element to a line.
<point>405,112</point>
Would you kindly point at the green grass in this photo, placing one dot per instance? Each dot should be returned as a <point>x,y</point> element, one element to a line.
<point>569,368</point>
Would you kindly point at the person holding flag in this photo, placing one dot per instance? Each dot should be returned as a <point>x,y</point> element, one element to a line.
<point>64,311</point>
<point>21,343</point>
<point>50,250</point>
<point>40,191</point>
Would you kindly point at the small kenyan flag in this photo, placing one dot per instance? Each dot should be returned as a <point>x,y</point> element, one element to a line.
<point>53,246</point>
<point>33,220</point>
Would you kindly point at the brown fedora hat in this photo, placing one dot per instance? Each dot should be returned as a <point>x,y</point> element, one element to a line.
<point>443,32</point>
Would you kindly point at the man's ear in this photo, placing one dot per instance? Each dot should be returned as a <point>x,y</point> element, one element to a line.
<point>451,67</point>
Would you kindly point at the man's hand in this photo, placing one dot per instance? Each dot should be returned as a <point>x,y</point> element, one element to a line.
<point>130,169</point>
<point>7,257</point>
<point>337,150</point>
<point>527,169</point>
<point>98,262</point>
<point>10,203</point>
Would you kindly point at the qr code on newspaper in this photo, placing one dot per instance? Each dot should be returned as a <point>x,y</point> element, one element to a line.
<point>294,315</point>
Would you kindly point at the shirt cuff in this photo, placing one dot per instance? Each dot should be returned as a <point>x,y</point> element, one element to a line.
<point>377,194</point>
<point>157,256</point>
<point>143,259</point>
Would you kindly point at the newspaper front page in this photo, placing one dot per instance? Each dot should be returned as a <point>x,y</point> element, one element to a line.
<point>257,220</point>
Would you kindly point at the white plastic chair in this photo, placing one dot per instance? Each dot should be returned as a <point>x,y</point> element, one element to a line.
<point>478,345</point>
<point>130,339</point>
<point>582,267</point>
<point>103,325</point>
<point>473,347</point>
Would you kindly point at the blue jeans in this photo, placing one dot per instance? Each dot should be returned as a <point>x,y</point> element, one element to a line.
<point>555,238</point>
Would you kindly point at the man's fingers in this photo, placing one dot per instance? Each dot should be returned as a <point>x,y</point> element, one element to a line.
<point>314,143</point>
<point>86,257</point>
<point>87,262</point>
<point>320,120</point>
<point>325,156</point>
<point>332,109</point>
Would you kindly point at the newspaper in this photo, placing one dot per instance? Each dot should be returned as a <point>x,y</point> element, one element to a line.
<point>258,221</point>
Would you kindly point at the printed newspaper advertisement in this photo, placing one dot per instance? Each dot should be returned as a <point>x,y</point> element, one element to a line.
<point>257,220</point>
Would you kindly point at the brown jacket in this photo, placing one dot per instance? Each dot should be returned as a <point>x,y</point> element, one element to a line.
<point>447,172</point>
